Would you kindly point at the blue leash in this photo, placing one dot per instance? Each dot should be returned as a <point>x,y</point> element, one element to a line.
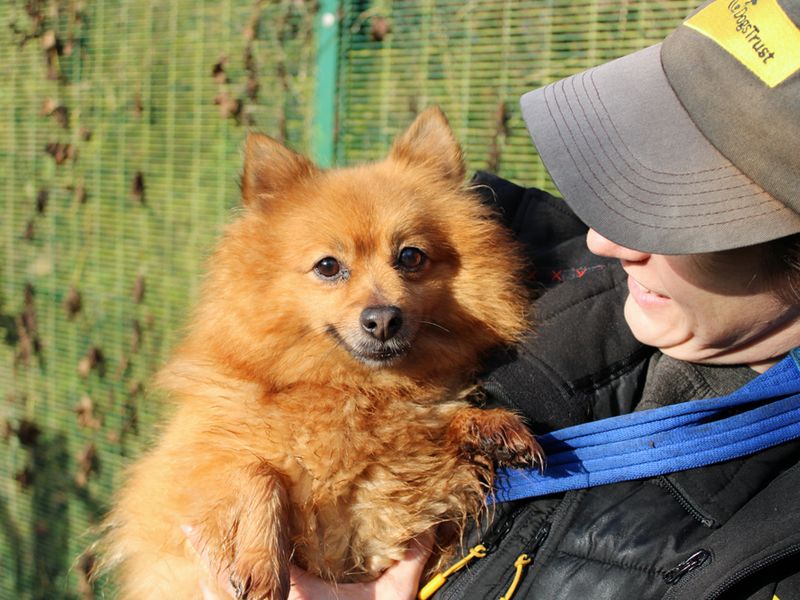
<point>664,440</point>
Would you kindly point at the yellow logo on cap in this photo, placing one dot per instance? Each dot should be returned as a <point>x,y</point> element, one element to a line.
<point>755,32</point>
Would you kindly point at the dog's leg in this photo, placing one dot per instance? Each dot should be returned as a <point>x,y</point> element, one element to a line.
<point>496,435</point>
<point>254,537</point>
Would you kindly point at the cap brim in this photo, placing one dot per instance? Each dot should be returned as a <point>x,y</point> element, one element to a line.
<point>633,166</point>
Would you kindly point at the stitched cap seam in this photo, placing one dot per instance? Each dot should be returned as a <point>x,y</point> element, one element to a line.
<point>588,146</point>
<point>625,216</point>
<point>645,168</point>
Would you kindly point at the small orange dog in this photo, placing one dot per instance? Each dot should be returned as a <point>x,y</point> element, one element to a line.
<point>320,407</point>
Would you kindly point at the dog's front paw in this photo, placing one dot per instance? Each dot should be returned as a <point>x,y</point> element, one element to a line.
<point>241,587</point>
<point>497,436</point>
<point>249,584</point>
<point>252,550</point>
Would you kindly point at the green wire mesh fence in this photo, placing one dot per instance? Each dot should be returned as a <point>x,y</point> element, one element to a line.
<point>475,59</point>
<point>121,124</point>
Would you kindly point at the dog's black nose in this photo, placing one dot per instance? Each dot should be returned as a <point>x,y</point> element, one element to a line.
<point>381,322</point>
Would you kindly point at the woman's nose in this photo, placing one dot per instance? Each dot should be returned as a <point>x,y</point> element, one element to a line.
<point>602,246</point>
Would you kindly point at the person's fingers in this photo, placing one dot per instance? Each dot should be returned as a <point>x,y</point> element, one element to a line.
<point>401,580</point>
<point>303,586</point>
<point>308,587</point>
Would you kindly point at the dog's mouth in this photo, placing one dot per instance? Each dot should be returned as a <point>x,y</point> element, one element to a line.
<point>372,352</point>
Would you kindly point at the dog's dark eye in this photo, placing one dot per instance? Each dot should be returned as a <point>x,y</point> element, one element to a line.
<point>411,259</point>
<point>328,268</point>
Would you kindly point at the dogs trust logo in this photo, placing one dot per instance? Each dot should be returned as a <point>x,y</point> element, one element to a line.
<point>757,33</point>
<point>751,31</point>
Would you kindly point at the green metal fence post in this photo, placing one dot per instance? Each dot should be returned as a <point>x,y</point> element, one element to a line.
<point>324,123</point>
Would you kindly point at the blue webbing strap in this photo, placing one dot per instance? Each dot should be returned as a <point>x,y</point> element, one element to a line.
<point>664,440</point>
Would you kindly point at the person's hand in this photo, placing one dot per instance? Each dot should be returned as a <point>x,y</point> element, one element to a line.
<point>398,582</point>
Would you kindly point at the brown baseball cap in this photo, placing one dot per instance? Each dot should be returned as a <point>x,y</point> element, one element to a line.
<point>688,146</point>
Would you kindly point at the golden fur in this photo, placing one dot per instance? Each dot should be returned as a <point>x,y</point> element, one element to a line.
<point>297,436</point>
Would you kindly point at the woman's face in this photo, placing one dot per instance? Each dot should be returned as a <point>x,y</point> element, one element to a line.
<point>709,308</point>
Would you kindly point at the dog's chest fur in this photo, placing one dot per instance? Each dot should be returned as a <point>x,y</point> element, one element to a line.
<point>366,470</point>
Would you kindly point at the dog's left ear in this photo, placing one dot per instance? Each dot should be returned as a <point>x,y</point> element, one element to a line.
<point>430,142</point>
<point>270,168</point>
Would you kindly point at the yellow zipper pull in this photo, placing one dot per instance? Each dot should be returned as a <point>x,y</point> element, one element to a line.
<point>521,562</point>
<point>438,580</point>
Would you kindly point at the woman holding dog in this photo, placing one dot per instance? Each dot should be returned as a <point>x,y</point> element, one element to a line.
<point>683,161</point>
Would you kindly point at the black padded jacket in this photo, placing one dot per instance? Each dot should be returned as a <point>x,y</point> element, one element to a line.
<point>730,530</point>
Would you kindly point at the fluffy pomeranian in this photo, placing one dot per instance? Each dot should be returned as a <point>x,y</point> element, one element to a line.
<point>320,394</point>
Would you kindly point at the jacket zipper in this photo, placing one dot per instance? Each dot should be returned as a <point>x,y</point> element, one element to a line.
<point>496,535</point>
<point>525,559</point>
<point>666,484</point>
<point>695,561</point>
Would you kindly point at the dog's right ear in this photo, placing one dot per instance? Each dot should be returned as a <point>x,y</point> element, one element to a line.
<point>269,168</point>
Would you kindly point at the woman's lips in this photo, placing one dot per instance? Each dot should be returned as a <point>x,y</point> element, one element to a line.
<point>645,297</point>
